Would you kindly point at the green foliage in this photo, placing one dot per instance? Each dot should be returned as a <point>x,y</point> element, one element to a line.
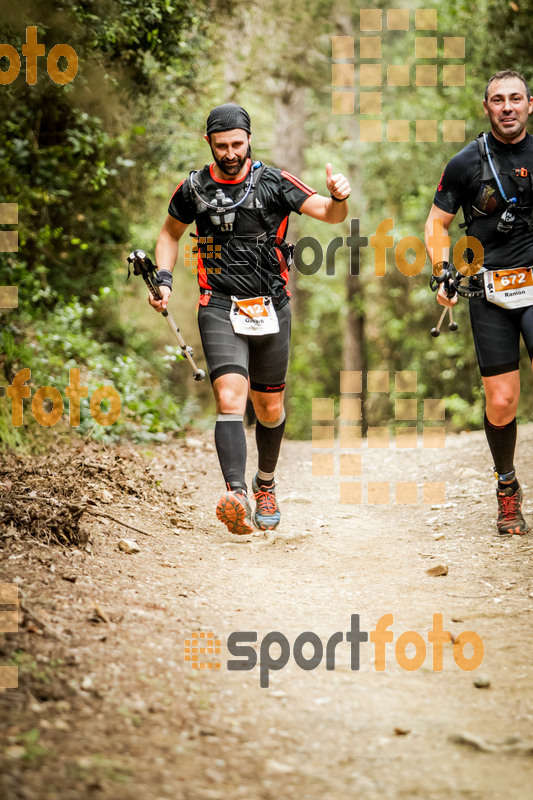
<point>66,157</point>
<point>316,351</point>
<point>60,342</point>
<point>63,182</point>
<point>75,158</point>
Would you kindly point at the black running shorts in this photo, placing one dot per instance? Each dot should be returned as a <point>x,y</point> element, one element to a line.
<point>264,359</point>
<point>497,335</point>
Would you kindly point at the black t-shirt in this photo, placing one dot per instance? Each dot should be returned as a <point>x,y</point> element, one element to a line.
<point>246,261</point>
<point>460,186</point>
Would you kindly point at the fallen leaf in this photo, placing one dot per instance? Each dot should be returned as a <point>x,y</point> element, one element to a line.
<point>128,546</point>
<point>440,569</point>
<point>401,731</point>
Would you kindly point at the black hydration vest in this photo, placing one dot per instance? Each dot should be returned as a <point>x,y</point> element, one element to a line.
<point>212,214</point>
<point>216,216</point>
<point>489,200</point>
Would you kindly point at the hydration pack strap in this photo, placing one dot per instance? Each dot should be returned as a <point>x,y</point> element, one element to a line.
<point>486,171</point>
<point>199,196</point>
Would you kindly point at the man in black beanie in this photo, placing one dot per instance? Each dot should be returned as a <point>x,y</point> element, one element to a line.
<point>241,209</point>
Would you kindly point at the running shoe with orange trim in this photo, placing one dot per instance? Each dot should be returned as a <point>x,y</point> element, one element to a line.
<point>235,511</point>
<point>510,518</point>
<point>267,515</point>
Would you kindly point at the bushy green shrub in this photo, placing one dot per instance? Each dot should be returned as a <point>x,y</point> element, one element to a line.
<point>57,342</point>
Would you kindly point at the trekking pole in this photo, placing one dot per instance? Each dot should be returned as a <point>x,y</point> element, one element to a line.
<point>451,286</point>
<point>451,325</point>
<point>436,330</point>
<point>144,267</point>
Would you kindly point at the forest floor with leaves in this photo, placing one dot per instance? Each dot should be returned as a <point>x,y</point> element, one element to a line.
<point>108,707</point>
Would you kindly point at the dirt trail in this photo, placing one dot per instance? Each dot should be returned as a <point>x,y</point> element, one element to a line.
<point>112,709</point>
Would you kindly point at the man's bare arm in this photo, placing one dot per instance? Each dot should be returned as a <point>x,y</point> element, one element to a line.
<point>166,253</point>
<point>324,208</point>
<point>438,245</point>
<point>167,247</point>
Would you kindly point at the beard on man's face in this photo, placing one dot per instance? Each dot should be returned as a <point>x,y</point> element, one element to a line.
<point>234,166</point>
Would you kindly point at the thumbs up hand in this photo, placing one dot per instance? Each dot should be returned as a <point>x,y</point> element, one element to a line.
<point>338,185</point>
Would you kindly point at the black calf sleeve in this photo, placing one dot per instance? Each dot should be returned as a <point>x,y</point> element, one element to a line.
<point>230,443</point>
<point>502,442</point>
<point>268,439</point>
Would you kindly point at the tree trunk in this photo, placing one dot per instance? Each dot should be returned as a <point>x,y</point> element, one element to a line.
<point>354,356</point>
<point>289,143</point>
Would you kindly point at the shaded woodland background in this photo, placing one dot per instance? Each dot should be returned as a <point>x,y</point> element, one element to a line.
<point>92,166</point>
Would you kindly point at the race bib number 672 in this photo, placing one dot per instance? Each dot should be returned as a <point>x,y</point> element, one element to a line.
<point>509,288</point>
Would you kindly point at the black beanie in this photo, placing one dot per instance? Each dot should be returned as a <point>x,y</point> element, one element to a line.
<point>227,117</point>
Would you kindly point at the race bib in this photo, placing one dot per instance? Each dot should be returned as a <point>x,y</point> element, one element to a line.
<point>509,288</point>
<point>254,316</point>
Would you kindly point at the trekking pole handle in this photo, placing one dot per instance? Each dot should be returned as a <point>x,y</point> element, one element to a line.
<point>143,266</point>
